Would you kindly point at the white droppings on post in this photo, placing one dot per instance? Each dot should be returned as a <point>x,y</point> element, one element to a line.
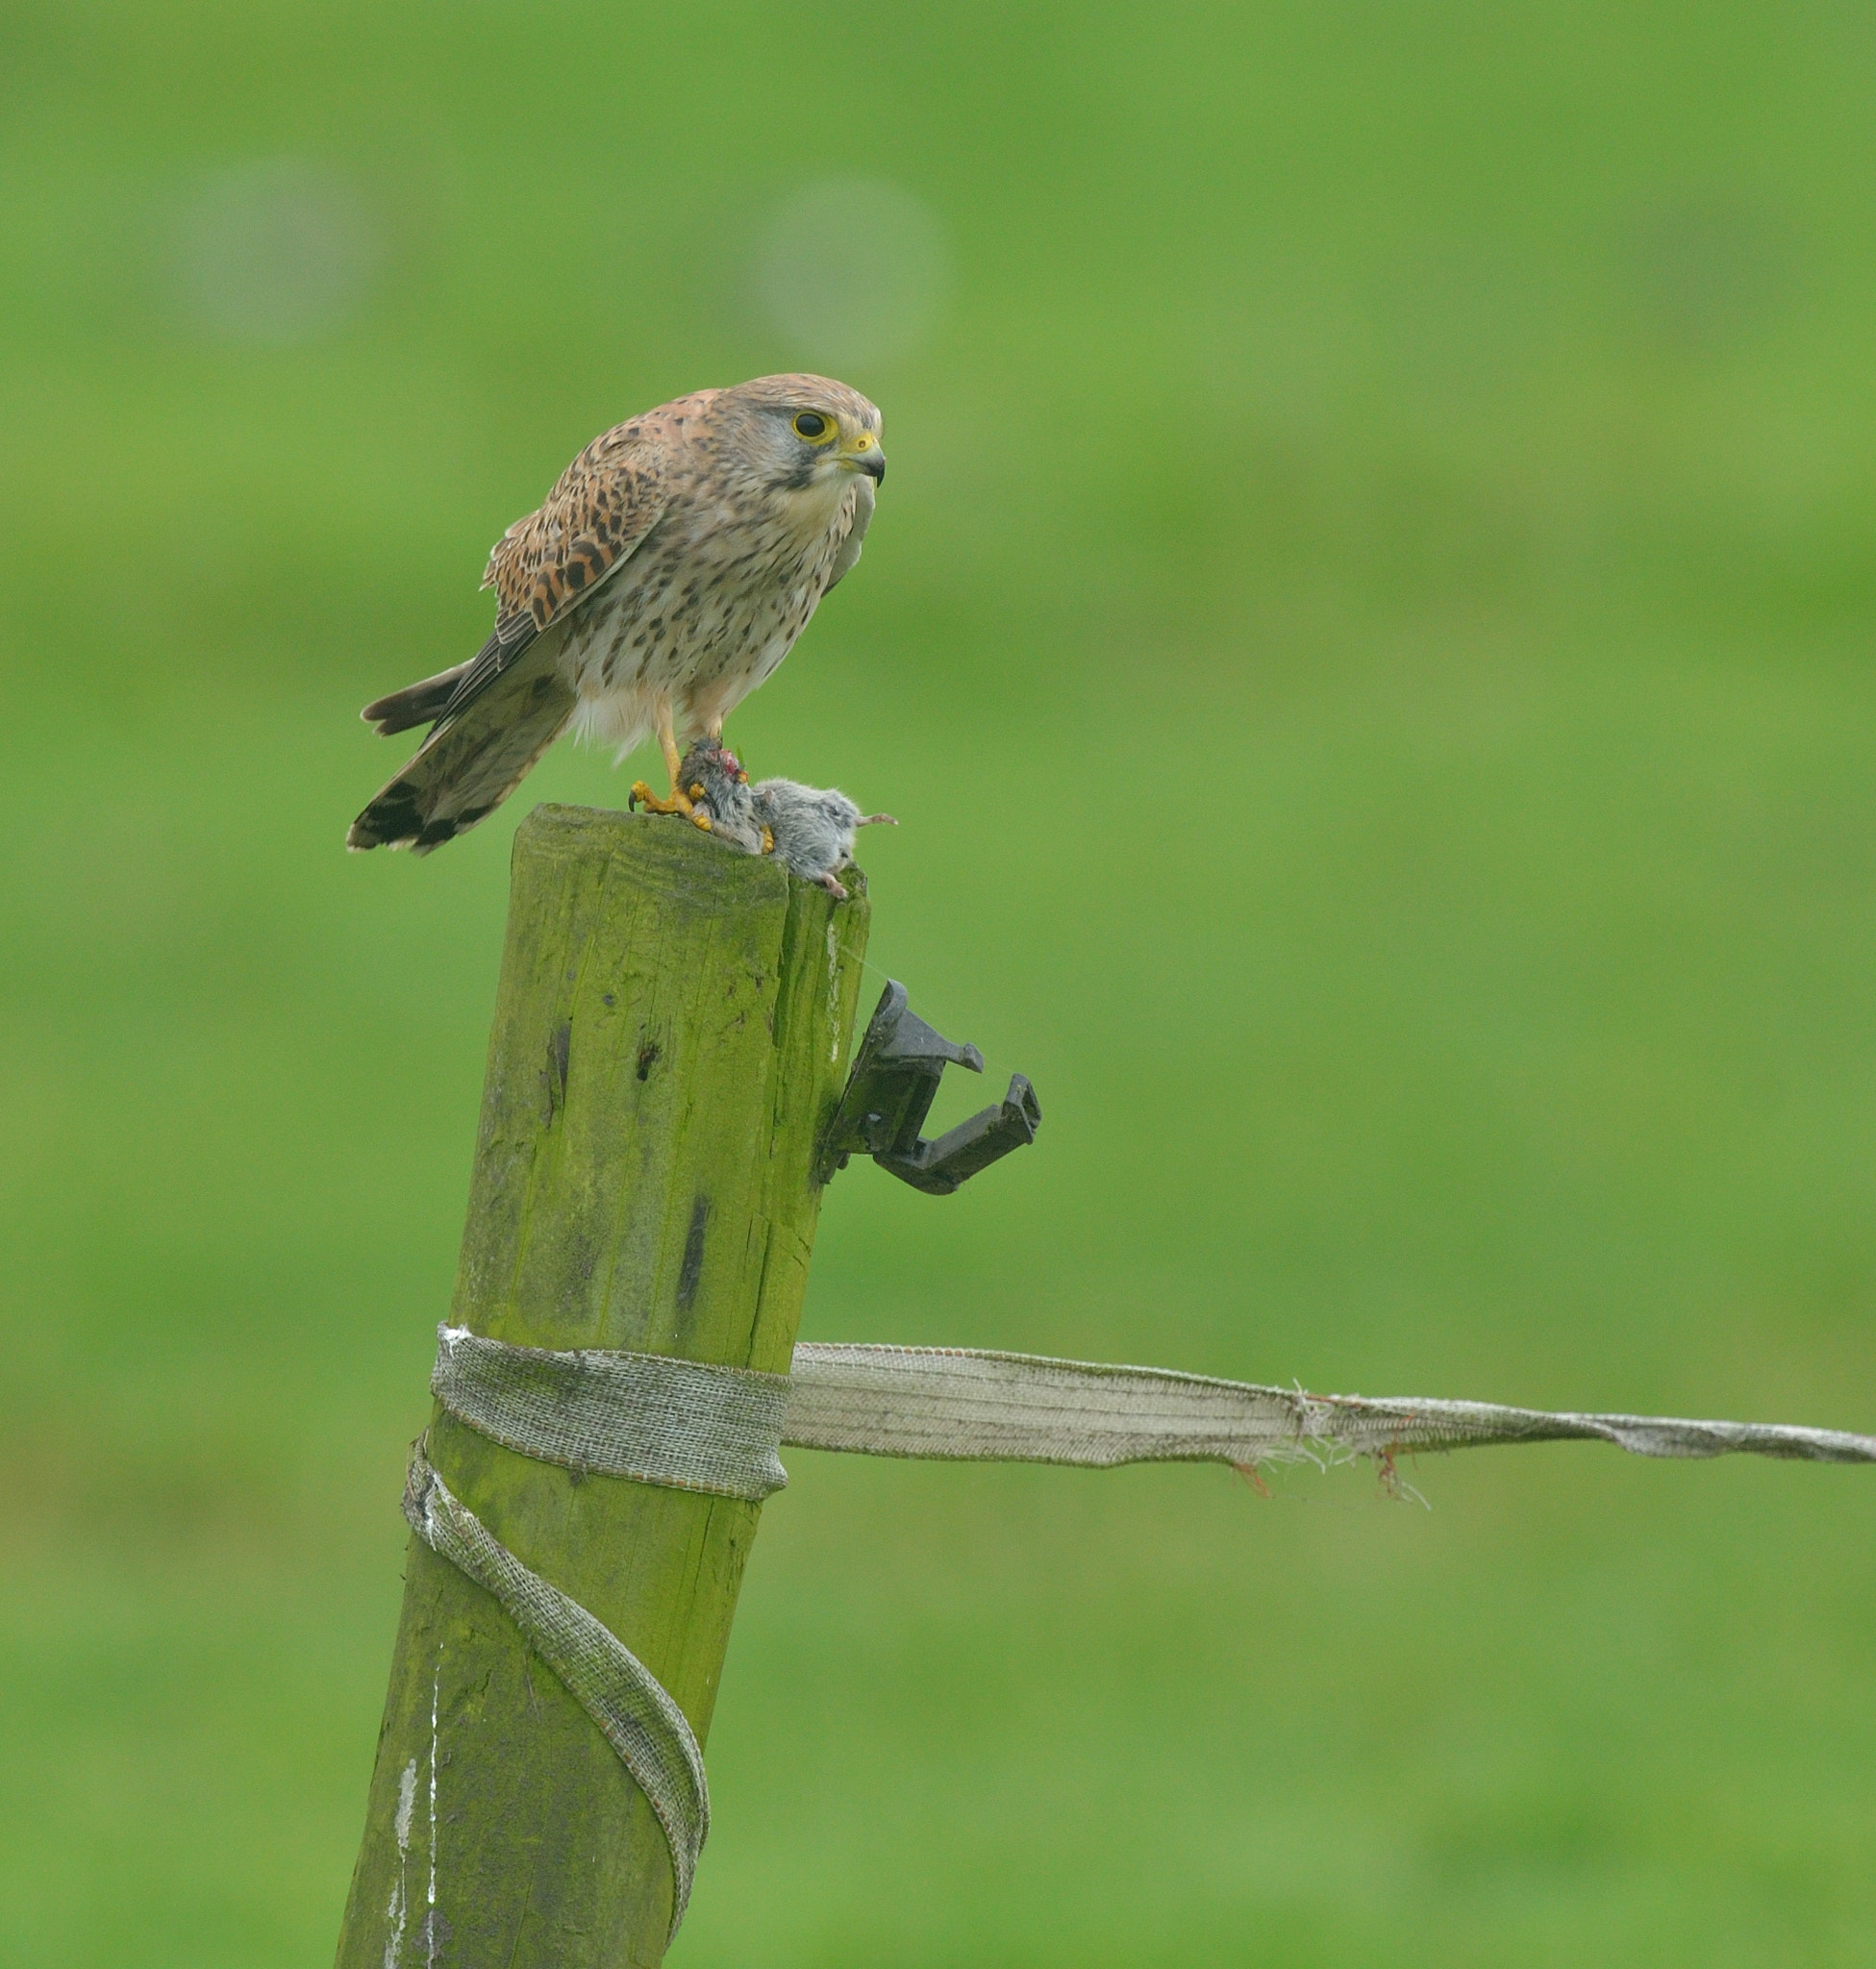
<point>430,1919</point>
<point>394,1915</point>
<point>834,993</point>
<point>406,1799</point>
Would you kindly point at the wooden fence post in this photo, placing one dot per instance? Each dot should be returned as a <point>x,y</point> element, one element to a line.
<point>672,1028</point>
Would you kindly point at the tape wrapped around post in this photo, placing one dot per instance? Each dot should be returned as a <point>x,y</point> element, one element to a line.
<point>696,1427</point>
<point>632,1707</point>
<point>677,1423</point>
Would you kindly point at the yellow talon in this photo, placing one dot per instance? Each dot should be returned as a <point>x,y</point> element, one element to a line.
<point>680,801</point>
<point>768,842</point>
<point>644,796</point>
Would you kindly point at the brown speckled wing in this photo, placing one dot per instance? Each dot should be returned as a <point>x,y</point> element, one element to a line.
<point>606,501</point>
<point>598,514</point>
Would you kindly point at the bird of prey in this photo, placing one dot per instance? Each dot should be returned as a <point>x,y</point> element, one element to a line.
<point>668,573</point>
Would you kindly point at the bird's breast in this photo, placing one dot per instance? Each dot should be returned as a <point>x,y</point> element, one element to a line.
<point>713,602</point>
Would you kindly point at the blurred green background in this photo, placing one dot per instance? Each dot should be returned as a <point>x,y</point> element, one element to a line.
<point>1368,635</point>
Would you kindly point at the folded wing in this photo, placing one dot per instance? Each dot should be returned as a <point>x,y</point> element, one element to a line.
<point>497,714</point>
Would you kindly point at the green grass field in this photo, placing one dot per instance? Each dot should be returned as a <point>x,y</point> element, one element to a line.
<point>1368,633</point>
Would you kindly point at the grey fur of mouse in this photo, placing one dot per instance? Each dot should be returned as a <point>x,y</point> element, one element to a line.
<point>813,828</point>
<point>809,829</point>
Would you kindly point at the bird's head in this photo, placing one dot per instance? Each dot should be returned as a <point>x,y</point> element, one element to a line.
<point>808,432</point>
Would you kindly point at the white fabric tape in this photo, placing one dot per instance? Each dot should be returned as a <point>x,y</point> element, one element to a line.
<point>636,1714</point>
<point>694,1426</point>
<point>957,1404</point>
<point>664,1421</point>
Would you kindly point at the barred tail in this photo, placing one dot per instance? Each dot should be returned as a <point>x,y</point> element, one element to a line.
<point>470,764</point>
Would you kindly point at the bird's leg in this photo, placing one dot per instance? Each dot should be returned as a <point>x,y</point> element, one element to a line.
<point>681,797</point>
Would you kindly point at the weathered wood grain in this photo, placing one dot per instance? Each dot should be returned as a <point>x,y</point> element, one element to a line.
<point>670,1035</point>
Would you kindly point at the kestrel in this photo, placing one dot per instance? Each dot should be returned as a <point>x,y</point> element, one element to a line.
<point>668,573</point>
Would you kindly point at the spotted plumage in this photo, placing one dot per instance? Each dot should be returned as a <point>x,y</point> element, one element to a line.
<point>665,578</point>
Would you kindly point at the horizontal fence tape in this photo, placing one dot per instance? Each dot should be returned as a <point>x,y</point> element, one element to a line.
<point>631,1707</point>
<point>955,1404</point>
<point>696,1427</point>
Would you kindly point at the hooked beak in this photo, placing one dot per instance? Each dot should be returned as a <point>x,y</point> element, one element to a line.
<point>864,455</point>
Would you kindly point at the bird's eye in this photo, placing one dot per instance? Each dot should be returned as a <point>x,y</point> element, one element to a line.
<point>813,426</point>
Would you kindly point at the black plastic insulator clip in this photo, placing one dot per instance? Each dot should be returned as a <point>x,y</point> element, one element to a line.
<point>889,1092</point>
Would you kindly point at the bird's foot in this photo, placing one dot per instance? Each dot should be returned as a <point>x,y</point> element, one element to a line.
<point>768,840</point>
<point>680,802</point>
